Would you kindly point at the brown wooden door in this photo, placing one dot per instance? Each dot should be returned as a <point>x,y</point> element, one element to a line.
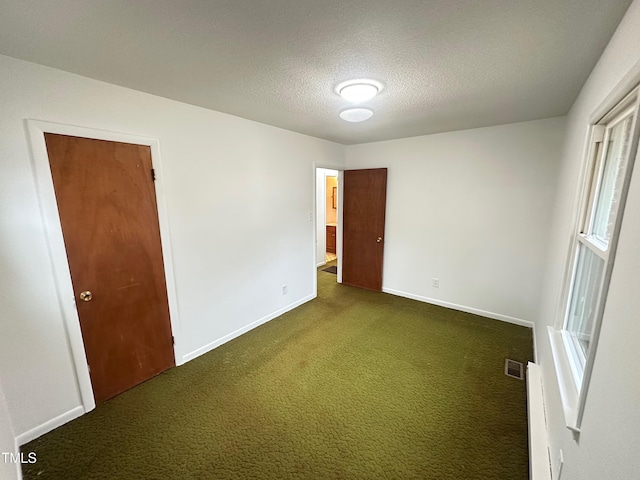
<point>364,202</point>
<point>107,206</point>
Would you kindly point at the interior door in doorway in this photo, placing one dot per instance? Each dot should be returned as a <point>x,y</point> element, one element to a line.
<point>364,204</point>
<point>107,205</point>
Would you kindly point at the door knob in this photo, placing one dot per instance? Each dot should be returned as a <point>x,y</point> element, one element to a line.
<point>379,239</point>
<point>86,296</point>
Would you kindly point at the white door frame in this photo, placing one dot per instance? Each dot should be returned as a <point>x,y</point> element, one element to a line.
<point>57,252</point>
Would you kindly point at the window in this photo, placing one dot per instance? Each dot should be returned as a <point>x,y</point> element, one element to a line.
<point>613,148</point>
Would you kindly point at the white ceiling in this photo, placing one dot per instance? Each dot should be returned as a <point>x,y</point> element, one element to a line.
<point>445,64</point>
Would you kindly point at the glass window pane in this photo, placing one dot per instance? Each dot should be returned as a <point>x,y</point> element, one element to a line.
<point>584,297</point>
<point>611,181</point>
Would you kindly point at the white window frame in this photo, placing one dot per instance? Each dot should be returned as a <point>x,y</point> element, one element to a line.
<point>573,367</point>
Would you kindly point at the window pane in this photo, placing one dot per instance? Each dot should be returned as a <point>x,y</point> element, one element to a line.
<point>612,179</point>
<point>584,297</point>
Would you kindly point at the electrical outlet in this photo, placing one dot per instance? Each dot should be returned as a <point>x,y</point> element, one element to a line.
<point>435,283</point>
<point>310,216</point>
<point>284,289</point>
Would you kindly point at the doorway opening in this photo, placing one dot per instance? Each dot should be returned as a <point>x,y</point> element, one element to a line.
<point>327,192</point>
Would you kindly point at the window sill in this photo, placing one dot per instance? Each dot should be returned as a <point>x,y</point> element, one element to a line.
<point>568,392</point>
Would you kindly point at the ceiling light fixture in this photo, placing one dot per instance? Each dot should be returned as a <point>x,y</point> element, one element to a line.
<point>357,91</point>
<point>356,114</point>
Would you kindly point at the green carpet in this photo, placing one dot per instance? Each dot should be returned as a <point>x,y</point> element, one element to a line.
<point>353,385</point>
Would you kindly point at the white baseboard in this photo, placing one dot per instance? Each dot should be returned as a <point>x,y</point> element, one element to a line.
<point>216,343</point>
<point>50,425</point>
<point>320,264</point>
<point>462,308</point>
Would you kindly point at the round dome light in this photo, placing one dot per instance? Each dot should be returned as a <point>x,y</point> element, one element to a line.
<point>356,114</point>
<point>357,91</point>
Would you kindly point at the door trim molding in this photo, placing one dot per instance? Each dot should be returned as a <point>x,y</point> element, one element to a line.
<point>55,241</point>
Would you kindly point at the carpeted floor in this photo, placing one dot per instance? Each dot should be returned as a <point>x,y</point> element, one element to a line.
<point>353,385</point>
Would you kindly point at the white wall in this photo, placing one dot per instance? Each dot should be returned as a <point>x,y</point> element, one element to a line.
<point>608,444</point>
<point>223,177</point>
<point>8,471</point>
<point>472,209</point>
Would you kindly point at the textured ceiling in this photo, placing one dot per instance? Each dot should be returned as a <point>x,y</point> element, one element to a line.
<point>445,64</point>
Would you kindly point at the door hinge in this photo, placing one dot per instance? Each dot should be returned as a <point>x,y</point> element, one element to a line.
<point>153,174</point>
<point>173,340</point>
<point>89,367</point>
